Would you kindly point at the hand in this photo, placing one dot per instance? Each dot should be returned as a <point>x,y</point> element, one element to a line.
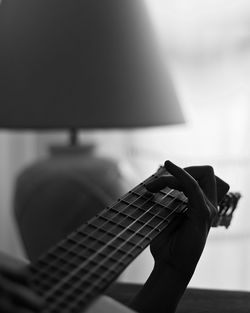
<point>177,249</point>
<point>181,244</point>
<point>15,293</point>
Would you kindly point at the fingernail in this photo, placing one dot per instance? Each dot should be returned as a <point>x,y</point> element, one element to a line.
<point>167,163</point>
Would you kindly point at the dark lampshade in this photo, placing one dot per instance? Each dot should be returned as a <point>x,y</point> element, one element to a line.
<point>81,64</point>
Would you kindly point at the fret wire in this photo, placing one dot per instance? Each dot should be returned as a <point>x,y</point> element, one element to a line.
<point>102,279</point>
<point>76,260</point>
<point>99,281</point>
<point>89,274</point>
<point>46,256</point>
<point>96,283</point>
<point>127,239</point>
<point>138,218</point>
<point>141,227</point>
<point>169,215</point>
<point>84,239</point>
<point>125,256</point>
<point>133,190</point>
<point>141,239</point>
<point>69,238</point>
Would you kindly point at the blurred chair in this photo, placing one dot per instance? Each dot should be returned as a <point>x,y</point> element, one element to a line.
<point>55,196</point>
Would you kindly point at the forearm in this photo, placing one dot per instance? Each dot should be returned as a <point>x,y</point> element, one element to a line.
<point>161,292</point>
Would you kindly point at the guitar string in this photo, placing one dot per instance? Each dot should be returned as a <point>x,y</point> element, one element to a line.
<point>126,254</point>
<point>140,196</point>
<point>79,297</point>
<point>89,291</point>
<point>85,239</point>
<point>136,190</point>
<point>106,259</point>
<point>118,235</point>
<point>81,302</point>
<point>83,278</point>
<point>105,223</point>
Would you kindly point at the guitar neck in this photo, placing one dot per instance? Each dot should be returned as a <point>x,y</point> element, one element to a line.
<point>80,267</point>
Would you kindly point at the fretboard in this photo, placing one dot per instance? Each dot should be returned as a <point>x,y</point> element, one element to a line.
<point>83,265</point>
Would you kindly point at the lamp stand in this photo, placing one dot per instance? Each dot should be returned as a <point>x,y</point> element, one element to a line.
<point>73,137</point>
<point>74,147</point>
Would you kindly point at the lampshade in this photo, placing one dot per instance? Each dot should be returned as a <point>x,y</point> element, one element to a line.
<point>82,64</point>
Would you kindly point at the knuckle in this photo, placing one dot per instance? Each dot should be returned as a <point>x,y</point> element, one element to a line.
<point>195,185</point>
<point>208,169</point>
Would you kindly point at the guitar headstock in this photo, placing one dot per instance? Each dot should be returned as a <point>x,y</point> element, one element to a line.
<point>226,209</point>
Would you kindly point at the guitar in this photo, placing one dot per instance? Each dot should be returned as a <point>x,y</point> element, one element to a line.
<point>71,275</point>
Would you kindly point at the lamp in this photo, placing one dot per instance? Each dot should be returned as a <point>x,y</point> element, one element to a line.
<point>71,64</point>
<point>76,64</point>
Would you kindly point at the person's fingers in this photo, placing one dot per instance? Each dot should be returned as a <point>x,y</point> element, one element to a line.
<point>7,306</point>
<point>213,186</point>
<point>189,185</point>
<point>208,181</point>
<point>26,297</point>
<point>19,276</point>
<point>205,177</point>
<point>222,188</point>
<point>198,183</point>
<point>13,269</point>
<point>180,180</point>
<point>19,294</point>
<point>201,205</point>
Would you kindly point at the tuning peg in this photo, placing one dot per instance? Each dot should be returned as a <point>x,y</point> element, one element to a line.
<point>226,208</point>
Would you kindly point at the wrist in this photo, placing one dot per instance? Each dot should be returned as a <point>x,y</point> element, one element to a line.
<point>180,274</point>
<point>162,291</point>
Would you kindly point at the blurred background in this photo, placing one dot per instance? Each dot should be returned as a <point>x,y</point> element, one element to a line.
<point>206,44</point>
